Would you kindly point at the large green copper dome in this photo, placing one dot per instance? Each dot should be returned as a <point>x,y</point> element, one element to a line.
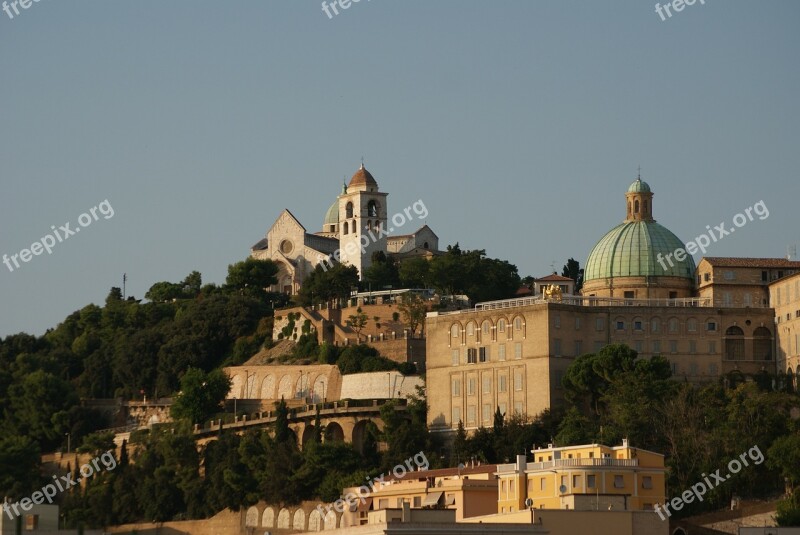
<point>332,215</point>
<point>631,250</point>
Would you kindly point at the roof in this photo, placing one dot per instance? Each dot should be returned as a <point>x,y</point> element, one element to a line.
<point>633,249</point>
<point>524,290</point>
<point>444,472</point>
<point>362,178</point>
<point>554,278</point>
<point>728,261</point>
<point>260,245</point>
<point>639,186</point>
<point>332,215</point>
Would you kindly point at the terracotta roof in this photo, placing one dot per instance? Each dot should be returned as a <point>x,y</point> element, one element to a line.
<point>362,177</point>
<point>524,290</point>
<point>443,472</point>
<point>554,278</point>
<point>720,261</point>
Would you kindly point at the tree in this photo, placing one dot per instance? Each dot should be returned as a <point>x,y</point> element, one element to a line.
<point>572,269</point>
<point>413,310</point>
<point>201,395</point>
<point>414,273</point>
<point>357,322</point>
<point>252,276</point>
<point>327,285</point>
<point>382,273</point>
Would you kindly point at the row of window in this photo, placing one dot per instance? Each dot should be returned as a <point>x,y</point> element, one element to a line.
<point>487,413</point>
<point>487,384</point>
<point>487,329</point>
<point>369,226</point>
<point>474,355</point>
<point>779,293</point>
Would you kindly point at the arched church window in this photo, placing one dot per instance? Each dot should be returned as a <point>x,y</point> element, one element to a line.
<point>372,209</point>
<point>636,206</point>
<point>348,210</point>
<point>645,206</point>
<point>425,245</point>
<point>369,224</point>
<point>345,228</point>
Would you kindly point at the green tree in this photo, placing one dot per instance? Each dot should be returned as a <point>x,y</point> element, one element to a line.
<point>252,276</point>
<point>357,322</point>
<point>201,395</point>
<point>382,272</point>
<point>572,269</point>
<point>413,310</point>
<point>414,273</point>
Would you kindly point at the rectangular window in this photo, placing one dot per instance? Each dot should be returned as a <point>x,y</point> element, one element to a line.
<point>483,354</point>
<point>764,277</point>
<point>455,356</point>
<point>557,321</point>
<point>518,407</point>
<point>502,385</point>
<point>637,326</point>
<point>693,369</point>
<point>487,384</point>
<point>559,379</point>
<point>674,366</point>
<point>417,501</point>
<point>501,352</point>
<point>578,348</point>
<point>518,350</point>
<point>728,275</point>
<point>727,299</point>
<point>557,347</point>
<point>501,326</point>
<point>619,483</point>
<point>471,414</point>
<point>620,325</point>
<point>637,346</point>
<point>576,482</point>
<point>711,326</point>
<point>673,325</point>
<point>542,483</point>
<point>712,369</point>
<point>748,300</point>
<point>673,346</point>
<point>456,415</point>
<point>502,407</point>
<point>456,387</point>
<point>590,481</point>
<point>599,324</point>
<point>707,277</point>
<point>656,346</point>
<point>691,325</point>
<point>655,325</point>
<point>647,482</point>
<point>471,386</point>
<point>692,347</point>
<point>487,412</point>
<point>517,381</point>
<point>472,355</point>
<point>577,322</point>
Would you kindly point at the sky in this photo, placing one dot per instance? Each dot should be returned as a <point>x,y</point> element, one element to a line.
<point>519,124</point>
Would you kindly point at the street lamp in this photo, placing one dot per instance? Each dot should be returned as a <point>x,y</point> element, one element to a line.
<point>234,408</point>
<point>69,439</point>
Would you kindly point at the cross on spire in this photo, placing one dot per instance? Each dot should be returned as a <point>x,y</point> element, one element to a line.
<point>639,173</point>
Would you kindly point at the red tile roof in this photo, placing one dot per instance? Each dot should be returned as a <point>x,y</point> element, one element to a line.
<point>553,278</point>
<point>443,472</point>
<point>721,261</point>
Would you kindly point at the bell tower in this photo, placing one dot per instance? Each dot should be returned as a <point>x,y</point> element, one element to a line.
<point>362,213</point>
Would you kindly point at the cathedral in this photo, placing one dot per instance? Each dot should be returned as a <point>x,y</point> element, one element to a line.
<point>355,227</point>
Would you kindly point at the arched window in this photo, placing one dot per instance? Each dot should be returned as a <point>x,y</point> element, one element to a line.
<point>369,224</point>
<point>344,228</point>
<point>425,245</point>
<point>518,323</point>
<point>348,210</point>
<point>485,327</point>
<point>762,344</point>
<point>691,325</point>
<point>655,325</point>
<point>372,209</point>
<point>636,206</point>
<point>734,343</point>
<point>470,329</point>
<point>501,325</point>
<point>455,331</point>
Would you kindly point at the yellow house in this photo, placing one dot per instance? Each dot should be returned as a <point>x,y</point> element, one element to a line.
<point>587,477</point>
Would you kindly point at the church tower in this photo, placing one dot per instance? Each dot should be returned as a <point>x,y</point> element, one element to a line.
<point>362,212</point>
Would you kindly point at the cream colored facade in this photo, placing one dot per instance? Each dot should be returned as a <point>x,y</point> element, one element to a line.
<point>470,491</point>
<point>741,282</point>
<point>784,295</point>
<point>563,522</point>
<point>513,354</point>
<point>588,477</point>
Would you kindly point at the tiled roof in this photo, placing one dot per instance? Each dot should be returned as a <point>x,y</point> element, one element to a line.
<point>443,472</point>
<point>260,245</point>
<point>553,278</point>
<point>722,261</point>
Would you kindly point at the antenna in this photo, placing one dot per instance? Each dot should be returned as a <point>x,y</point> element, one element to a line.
<point>791,251</point>
<point>124,280</point>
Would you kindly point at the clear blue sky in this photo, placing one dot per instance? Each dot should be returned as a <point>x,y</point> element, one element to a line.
<point>519,123</point>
